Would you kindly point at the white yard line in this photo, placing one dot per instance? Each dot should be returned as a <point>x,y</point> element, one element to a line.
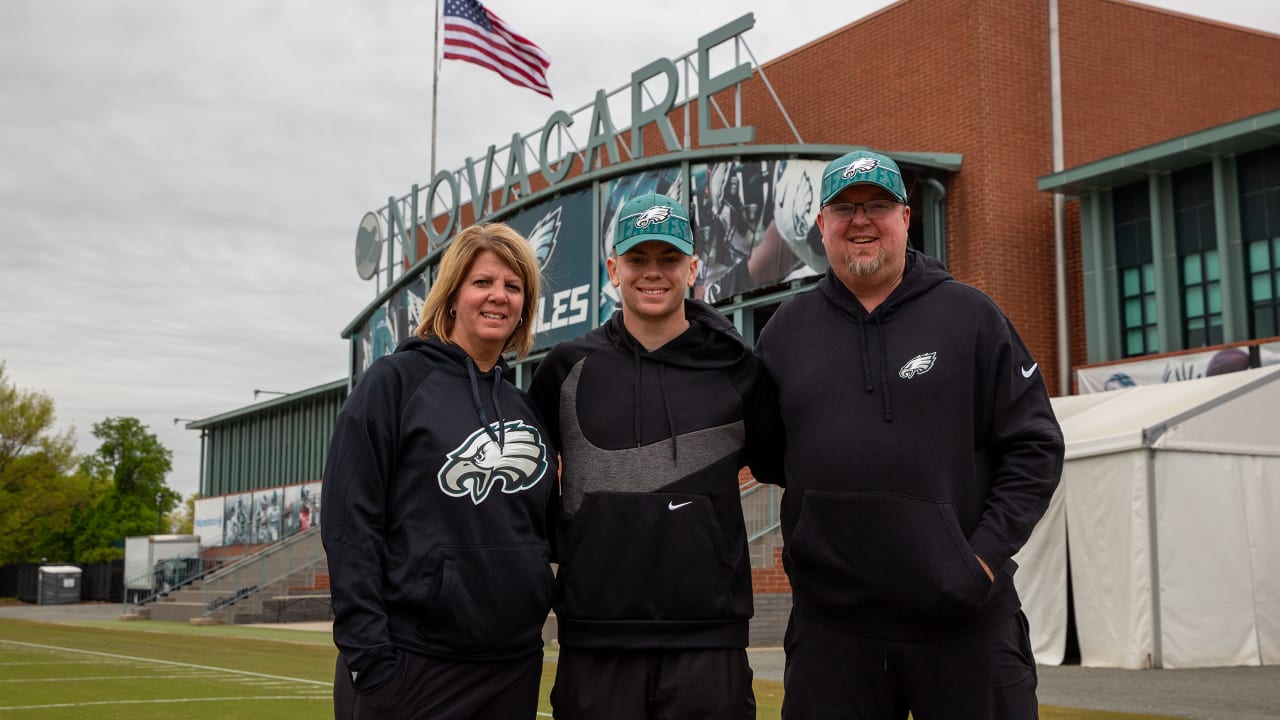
<point>113,656</point>
<point>174,664</point>
<point>73,679</point>
<point>164,700</point>
<point>50,662</point>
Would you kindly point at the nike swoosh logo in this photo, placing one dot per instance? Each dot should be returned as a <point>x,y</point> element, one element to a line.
<point>1028,372</point>
<point>587,468</point>
<point>673,506</point>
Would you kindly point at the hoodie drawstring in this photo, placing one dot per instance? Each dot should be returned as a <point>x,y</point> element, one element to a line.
<point>671,423</point>
<point>666,405</point>
<point>884,373</point>
<point>884,365</point>
<point>635,392</point>
<point>866,358</point>
<point>500,436</point>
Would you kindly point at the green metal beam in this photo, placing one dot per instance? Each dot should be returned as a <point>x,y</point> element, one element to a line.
<point>268,405</point>
<point>1196,148</point>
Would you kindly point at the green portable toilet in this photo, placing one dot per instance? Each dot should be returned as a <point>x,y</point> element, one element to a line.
<point>58,584</point>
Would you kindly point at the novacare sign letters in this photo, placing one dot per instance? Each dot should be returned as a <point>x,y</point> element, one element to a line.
<point>602,131</point>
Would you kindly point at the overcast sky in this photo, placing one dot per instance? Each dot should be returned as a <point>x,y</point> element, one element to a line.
<point>181,182</point>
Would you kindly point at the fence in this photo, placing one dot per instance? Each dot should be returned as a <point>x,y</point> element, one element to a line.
<point>102,581</point>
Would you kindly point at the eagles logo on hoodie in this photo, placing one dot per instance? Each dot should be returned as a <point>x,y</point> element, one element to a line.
<point>513,455</point>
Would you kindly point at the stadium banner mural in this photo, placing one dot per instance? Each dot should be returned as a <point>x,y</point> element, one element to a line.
<point>301,508</point>
<point>237,515</point>
<point>559,231</point>
<point>362,348</point>
<point>208,521</point>
<point>755,224</point>
<point>408,308</point>
<point>266,516</point>
<point>382,335</point>
<point>613,194</point>
<point>1176,368</point>
<point>754,221</point>
<point>389,324</point>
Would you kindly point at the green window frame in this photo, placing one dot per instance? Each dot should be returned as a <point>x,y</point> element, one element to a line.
<point>1258,178</point>
<point>1199,266</point>
<point>1135,270</point>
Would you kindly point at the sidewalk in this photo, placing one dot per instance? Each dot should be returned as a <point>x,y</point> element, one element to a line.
<point>1235,693</point>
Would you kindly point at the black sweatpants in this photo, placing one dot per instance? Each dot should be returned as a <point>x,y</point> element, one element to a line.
<point>832,675</point>
<point>426,688</point>
<point>695,684</point>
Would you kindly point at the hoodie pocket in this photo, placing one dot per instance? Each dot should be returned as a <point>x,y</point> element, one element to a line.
<point>645,556</point>
<point>898,553</point>
<point>492,599</point>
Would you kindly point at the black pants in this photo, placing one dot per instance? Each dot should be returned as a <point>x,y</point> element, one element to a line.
<point>703,684</point>
<point>832,675</point>
<point>426,688</point>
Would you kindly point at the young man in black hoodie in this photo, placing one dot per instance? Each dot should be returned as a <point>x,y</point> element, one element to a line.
<point>918,447</point>
<point>654,583</point>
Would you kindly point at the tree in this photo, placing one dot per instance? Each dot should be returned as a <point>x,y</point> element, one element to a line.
<point>26,422</point>
<point>55,505</point>
<point>133,459</point>
<point>42,497</point>
<point>101,533</point>
<point>183,520</point>
<point>134,463</point>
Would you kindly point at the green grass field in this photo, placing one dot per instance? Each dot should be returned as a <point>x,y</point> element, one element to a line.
<point>145,670</point>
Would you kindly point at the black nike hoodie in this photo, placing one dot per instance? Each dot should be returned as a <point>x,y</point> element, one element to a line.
<point>437,490</point>
<point>910,439</point>
<point>651,539</point>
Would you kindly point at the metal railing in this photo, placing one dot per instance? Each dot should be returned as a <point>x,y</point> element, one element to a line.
<point>167,575</point>
<point>245,580</point>
<point>761,509</point>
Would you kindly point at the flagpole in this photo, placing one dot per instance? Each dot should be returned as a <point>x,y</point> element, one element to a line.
<point>435,86</point>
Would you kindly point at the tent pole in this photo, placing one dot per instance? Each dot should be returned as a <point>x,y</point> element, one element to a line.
<point>1153,556</point>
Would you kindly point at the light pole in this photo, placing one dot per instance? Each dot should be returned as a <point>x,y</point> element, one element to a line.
<point>159,514</point>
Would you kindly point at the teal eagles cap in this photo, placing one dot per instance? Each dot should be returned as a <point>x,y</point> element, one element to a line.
<point>653,216</point>
<point>862,166</point>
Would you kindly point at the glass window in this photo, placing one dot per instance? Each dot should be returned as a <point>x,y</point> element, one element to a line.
<point>1131,212</point>
<point>1196,239</point>
<point>1258,176</point>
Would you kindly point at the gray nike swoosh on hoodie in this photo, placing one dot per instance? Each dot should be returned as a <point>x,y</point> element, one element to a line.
<point>641,469</point>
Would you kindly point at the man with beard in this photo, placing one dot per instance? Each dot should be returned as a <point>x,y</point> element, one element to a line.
<point>915,438</point>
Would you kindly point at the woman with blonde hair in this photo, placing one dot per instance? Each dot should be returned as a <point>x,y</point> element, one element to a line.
<point>439,482</point>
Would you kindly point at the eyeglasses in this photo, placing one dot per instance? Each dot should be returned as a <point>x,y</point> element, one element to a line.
<point>874,209</point>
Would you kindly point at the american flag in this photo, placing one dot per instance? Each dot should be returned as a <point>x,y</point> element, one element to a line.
<point>474,34</point>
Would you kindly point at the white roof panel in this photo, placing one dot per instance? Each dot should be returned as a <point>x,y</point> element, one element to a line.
<point>1224,413</point>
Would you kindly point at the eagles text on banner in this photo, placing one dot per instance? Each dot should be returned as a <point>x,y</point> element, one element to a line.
<point>474,34</point>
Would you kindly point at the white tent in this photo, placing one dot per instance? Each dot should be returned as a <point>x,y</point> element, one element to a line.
<point>1169,501</point>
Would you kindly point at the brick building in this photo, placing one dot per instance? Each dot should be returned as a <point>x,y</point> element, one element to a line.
<point>1163,117</point>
